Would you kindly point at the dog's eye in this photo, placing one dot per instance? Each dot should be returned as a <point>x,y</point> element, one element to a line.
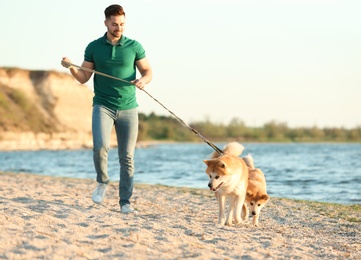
<point>252,203</point>
<point>210,176</point>
<point>259,205</point>
<point>216,177</point>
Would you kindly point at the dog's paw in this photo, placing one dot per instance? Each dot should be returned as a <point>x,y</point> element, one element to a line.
<point>229,223</point>
<point>238,221</point>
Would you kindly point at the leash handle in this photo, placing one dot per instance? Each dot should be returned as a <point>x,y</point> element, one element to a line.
<point>96,72</point>
<point>218,150</point>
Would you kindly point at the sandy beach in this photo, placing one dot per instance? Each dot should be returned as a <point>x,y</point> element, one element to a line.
<point>54,218</point>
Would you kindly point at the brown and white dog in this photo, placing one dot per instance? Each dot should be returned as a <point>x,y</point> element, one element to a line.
<point>256,197</point>
<point>228,179</point>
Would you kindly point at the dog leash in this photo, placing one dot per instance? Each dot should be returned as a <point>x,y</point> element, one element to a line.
<point>219,151</point>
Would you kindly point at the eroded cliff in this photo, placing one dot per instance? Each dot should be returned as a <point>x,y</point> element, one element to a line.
<point>43,110</point>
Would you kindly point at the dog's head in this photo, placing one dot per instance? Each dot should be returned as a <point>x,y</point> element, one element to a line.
<point>256,202</point>
<point>220,171</point>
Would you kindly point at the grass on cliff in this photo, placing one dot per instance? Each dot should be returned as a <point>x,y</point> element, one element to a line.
<point>351,213</point>
<point>20,113</point>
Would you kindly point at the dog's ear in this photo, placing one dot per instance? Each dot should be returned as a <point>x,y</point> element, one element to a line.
<point>265,197</point>
<point>207,162</point>
<point>249,193</point>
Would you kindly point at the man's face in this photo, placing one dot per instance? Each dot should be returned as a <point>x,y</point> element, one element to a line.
<point>115,25</point>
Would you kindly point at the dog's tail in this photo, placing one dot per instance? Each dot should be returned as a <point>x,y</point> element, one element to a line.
<point>233,148</point>
<point>248,159</point>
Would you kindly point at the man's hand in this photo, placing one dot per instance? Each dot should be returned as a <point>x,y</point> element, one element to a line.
<point>138,83</point>
<point>65,62</point>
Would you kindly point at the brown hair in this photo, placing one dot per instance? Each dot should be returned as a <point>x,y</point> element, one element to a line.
<point>113,10</point>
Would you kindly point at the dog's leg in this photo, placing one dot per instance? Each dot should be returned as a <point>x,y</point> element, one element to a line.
<point>255,220</point>
<point>217,196</point>
<point>245,211</point>
<point>232,201</point>
<point>221,209</point>
<point>237,210</point>
<point>239,204</point>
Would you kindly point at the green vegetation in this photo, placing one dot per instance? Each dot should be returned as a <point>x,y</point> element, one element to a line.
<point>351,213</point>
<point>18,112</point>
<point>153,127</point>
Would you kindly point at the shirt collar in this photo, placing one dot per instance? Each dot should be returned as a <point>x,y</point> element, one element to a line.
<point>121,41</point>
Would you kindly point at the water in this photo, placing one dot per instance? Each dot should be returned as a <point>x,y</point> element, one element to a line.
<point>317,172</point>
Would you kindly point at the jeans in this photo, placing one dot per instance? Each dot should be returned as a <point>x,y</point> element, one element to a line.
<point>126,128</point>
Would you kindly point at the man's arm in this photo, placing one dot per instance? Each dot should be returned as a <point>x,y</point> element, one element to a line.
<point>145,71</point>
<point>80,75</point>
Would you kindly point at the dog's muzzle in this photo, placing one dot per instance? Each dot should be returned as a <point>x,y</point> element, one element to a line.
<point>216,188</point>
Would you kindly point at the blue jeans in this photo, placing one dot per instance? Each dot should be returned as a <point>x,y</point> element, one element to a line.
<point>126,128</point>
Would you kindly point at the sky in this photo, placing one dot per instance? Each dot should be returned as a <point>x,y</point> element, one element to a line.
<point>294,62</point>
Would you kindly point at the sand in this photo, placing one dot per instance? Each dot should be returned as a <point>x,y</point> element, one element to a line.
<point>54,218</point>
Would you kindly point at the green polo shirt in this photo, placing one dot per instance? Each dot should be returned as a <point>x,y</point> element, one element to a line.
<point>118,61</point>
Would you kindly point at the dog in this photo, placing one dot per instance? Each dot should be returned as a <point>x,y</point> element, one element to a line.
<point>256,196</point>
<point>228,179</point>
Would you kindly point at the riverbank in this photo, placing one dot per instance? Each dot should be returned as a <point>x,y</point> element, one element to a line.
<point>54,218</point>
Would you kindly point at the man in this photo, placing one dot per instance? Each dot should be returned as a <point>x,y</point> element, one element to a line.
<point>114,102</point>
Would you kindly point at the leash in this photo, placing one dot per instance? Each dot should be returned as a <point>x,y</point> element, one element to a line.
<point>219,151</point>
